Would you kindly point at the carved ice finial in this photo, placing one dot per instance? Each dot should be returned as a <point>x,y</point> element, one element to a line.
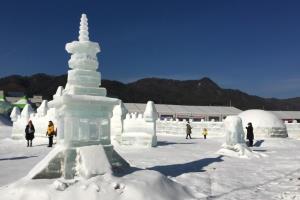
<point>83,29</point>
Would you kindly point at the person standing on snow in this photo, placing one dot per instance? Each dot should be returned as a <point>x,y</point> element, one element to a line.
<point>188,130</point>
<point>50,133</point>
<point>205,132</point>
<point>250,134</point>
<point>29,133</point>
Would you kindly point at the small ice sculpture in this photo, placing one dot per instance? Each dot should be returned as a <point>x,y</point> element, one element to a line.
<point>26,112</point>
<point>139,129</point>
<point>42,110</point>
<point>150,113</point>
<point>234,131</point>
<point>119,114</point>
<point>59,92</point>
<point>15,113</point>
<point>235,143</point>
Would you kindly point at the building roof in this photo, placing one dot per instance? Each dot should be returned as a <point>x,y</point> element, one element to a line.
<point>287,114</point>
<point>166,109</point>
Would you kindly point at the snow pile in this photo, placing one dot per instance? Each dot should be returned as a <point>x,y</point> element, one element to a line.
<point>139,185</point>
<point>265,124</point>
<point>235,145</point>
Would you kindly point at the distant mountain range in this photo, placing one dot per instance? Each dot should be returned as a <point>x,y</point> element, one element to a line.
<point>163,91</point>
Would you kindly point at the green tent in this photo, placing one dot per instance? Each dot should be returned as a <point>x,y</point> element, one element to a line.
<point>21,103</point>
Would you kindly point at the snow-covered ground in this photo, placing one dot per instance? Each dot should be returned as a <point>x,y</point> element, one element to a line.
<point>192,163</point>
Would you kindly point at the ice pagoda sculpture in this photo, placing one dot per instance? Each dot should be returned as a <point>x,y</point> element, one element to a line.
<point>83,114</point>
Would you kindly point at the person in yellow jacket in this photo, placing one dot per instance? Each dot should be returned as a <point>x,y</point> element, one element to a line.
<point>50,133</point>
<point>205,132</point>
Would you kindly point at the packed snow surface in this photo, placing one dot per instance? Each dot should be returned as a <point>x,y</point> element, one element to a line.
<point>191,170</point>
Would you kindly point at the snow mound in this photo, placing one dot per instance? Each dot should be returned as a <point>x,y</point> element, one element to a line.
<point>139,185</point>
<point>264,123</point>
<point>238,151</point>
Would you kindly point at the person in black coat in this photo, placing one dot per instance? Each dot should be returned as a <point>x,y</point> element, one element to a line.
<point>188,130</point>
<point>250,134</point>
<point>29,133</point>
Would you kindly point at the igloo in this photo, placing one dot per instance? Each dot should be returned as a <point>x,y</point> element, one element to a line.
<point>265,124</point>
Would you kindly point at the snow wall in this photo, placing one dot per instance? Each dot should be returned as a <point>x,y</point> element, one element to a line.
<point>293,129</point>
<point>134,123</point>
<point>176,127</point>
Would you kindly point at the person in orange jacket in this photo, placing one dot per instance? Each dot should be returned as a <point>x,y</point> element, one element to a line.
<point>50,133</point>
<point>205,132</point>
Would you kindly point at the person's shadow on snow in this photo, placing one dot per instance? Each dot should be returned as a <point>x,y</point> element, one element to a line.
<point>258,143</point>
<point>179,169</point>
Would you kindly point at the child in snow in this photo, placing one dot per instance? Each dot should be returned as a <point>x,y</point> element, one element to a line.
<point>29,133</point>
<point>205,132</point>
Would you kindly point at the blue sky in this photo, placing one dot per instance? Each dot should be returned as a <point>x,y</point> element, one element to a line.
<point>251,45</point>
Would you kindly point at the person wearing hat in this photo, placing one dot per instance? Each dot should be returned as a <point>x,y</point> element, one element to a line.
<point>250,134</point>
<point>50,133</point>
<point>29,133</point>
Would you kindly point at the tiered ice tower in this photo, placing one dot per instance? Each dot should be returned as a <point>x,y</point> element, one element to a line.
<point>83,107</point>
<point>82,110</point>
<point>83,79</point>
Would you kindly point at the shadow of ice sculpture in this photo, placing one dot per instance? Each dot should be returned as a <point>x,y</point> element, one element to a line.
<point>135,129</point>
<point>235,145</point>
<point>83,114</point>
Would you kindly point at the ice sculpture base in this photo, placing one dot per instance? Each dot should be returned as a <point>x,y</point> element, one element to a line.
<point>62,162</point>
